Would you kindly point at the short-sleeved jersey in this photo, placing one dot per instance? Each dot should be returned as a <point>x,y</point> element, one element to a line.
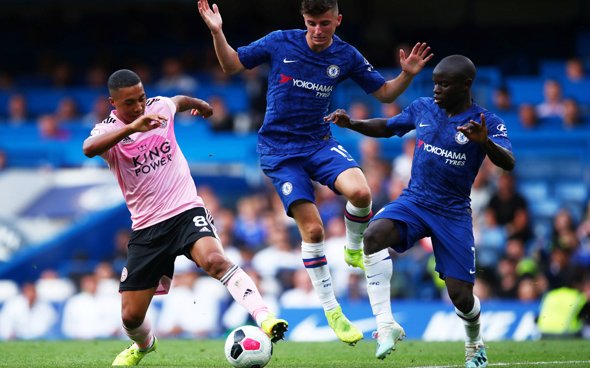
<point>151,170</point>
<point>300,86</point>
<point>445,162</point>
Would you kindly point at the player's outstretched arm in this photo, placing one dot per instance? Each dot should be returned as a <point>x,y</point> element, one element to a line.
<point>99,144</point>
<point>227,56</point>
<point>477,132</point>
<point>369,127</point>
<point>411,65</point>
<point>196,105</point>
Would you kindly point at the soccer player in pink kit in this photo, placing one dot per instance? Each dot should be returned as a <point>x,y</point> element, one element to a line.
<point>169,219</point>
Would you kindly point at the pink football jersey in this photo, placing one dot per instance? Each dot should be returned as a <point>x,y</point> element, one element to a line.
<point>151,170</point>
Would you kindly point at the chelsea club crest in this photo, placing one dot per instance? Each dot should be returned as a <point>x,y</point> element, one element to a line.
<point>333,71</point>
<point>461,138</point>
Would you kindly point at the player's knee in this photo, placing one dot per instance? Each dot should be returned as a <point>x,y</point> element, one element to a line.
<point>361,196</point>
<point>131,319</point>
<point>215,264</point>
<point>372,241</point>
<point>462,299</point>
<point>313,233</point>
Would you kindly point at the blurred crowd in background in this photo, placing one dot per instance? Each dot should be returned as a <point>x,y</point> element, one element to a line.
<point>514,260</point>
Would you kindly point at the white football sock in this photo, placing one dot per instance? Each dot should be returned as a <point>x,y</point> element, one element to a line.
<point>471,322</point>
<point>356,220</point>
<point>378,272</point>
<point>316,265</point>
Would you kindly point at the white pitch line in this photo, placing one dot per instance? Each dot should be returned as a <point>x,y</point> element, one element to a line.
<point>512,364</point>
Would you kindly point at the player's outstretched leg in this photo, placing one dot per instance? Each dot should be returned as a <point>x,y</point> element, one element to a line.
<point>387,336</point>
<point>274,327</point>
<point>133,354</point>
<point>344,329</point>
<point>244,291</point>
<point>475,355</point>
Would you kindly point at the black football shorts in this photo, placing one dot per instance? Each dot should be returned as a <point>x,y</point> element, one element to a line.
<point>151,252</point>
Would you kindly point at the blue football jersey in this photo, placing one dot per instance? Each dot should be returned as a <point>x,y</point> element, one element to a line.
<point>445,162</point>
<point>300,86</point>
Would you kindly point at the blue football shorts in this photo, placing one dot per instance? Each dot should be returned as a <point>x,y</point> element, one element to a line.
<point>293,175</point>
<point>452,238</point>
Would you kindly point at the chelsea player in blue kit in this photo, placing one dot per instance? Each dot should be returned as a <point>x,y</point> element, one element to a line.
<point>295,144</point>
<point>450,147</point>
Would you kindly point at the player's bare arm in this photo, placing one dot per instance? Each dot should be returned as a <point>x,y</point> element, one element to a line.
<point>99,144</point>
<point>478,132</point>
<point>195,105</point>
<point>370,127</point>
<point>411,65</point>
<point>227,56</point>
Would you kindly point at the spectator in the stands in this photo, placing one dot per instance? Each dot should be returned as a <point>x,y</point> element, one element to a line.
<point>390,109</point>
<point>101,109</point>
<point>302,295</point>
<point>564,231</point>
<point>67,111</point>
<point>17,110</point>
<point>359,110</point>
<point>574,70</point>
<point>179,316</point>
<point>50,129</point>
<point>88,316</point>
<point>53,287</point>
<point>25,316</point>
<point>572,116</point>
<point>507,286</point>
<point>62,75</point>
<point>552,105</point>
<point>3,160</point>
<point>528,117</point>
<point>96,76</point>
<point>221,120</point>
<point>174,79</point>
<point>527,289</point>
<point>510,208</point>
<point>502,100</point>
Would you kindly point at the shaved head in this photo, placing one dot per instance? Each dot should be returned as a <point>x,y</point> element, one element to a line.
<point>457,66</point>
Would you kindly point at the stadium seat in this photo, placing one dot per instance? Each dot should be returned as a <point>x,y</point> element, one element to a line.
<point>525,89</point>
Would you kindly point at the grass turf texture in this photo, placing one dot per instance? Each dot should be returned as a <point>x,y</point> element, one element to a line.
<point>209,353</point>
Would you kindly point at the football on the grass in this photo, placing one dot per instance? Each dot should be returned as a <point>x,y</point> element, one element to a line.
<point>248,347</point>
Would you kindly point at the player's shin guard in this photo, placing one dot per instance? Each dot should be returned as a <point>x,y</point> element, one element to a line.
<point>142,335</point>
<point>317,268</point>
<point>378,272</point>
<point>356,220</point>
<point>471,322</point>
<point>244,291</point>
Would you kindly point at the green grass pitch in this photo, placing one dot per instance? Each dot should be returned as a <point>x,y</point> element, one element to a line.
<point>209,353</point>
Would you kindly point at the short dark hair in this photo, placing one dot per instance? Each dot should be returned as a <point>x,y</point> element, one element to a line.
<point>122,78</point>
<point>317,7</point>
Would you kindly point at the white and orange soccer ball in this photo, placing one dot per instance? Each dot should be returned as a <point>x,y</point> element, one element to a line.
<point>248,347</point>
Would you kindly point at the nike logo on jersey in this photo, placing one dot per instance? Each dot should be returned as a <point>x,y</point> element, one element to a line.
<point>471,271</point>
<point>287,61</point>
<point>422,125</point>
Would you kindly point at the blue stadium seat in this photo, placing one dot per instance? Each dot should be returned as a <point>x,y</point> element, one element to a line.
<point>575,191</point>
<point>552,69</point>
<point>525,89</point>
<point>534,190</point>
